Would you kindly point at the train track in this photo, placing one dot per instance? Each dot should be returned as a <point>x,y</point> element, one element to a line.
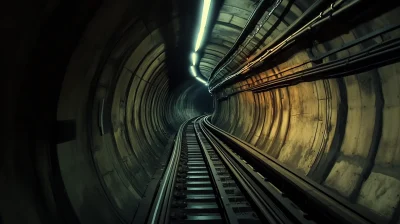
<point>204,189</point>
<point>208,182</point>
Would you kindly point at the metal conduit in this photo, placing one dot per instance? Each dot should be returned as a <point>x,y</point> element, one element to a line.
<point>316,21</point>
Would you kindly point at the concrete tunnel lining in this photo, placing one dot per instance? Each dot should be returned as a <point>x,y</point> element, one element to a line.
<point>330,130</point>
<point>92,151</point>
<point>340,132</point>
<point>128,152</point>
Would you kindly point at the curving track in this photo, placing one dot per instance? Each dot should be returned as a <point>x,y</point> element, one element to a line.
<point>95,89</point>
<point>209,179</point>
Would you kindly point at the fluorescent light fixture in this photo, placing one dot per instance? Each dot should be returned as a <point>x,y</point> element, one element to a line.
<point>194,58</point>
<point>193,70</point>
<point>201,80</point>
<point>204,15</point>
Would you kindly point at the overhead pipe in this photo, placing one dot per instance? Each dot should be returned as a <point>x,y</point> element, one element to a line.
<point>251,36</point>
<point>312,24</point>
<point>377,55</point>
<point>311,10</point>
<point>268,51</point>
<point>256,15</point>
<point>344,47</point>
<point>339,69</point>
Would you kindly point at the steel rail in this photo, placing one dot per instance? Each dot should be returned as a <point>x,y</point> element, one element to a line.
<point>223,197</point>
<point>162,199</point>
<point>319,201</point>
<point>197,186</point>
<point>267,198</point>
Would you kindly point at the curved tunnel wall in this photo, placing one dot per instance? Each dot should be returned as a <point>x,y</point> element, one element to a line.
<point>190,100</point>
<point>133,114</point>
<point>343,133</point>
<point>106,112</point>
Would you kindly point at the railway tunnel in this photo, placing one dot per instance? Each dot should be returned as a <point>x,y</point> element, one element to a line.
<point>95,92</point>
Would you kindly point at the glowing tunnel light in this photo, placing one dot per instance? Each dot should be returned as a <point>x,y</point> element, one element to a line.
<point>203,23</point>
<point>194,58</point>
<point>193,70</point>
<point>200,36</point>
<point>201,80</point>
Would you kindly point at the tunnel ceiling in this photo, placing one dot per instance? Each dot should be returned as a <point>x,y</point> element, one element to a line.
<point>231,21</point>
<point>96,89</point>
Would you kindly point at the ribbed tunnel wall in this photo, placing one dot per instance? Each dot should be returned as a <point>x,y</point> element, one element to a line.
<point>342,132</point>
<point>91,106</point>
<point>134,111</point>
<point>188,101</point>
<point>113,110</point>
